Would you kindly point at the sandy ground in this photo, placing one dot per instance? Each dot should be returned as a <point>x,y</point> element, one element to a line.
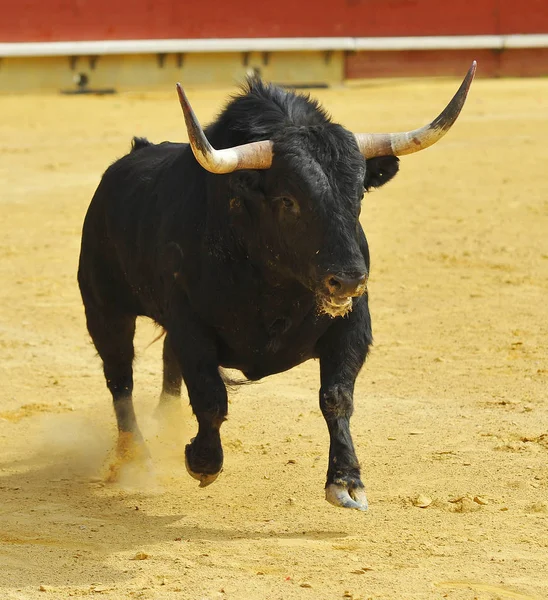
<point>452,404</point>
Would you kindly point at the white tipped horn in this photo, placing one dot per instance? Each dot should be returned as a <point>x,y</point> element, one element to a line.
<point>257,155</point>
<point>407,142</point>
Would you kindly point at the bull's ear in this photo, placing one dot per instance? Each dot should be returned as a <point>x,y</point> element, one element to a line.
<point>379,170</point>
<point>245,183</point>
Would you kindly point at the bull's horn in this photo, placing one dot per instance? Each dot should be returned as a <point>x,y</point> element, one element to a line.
<point>257,155</point>
<point>398,144</point>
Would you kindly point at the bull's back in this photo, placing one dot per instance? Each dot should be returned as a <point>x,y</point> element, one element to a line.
<point>122,227</point>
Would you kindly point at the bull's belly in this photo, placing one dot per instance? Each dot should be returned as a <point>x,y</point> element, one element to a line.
<point>258,361</point>
<point>262,366</point>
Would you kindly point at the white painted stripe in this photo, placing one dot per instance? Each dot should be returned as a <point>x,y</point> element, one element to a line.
<point>456,42</point>
<point>445,42</point>
<point>174,46</point>
<point>532,40</point>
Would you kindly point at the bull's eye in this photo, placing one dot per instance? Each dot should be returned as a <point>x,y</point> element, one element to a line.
<point>288,202</point>
<point>287,207</point>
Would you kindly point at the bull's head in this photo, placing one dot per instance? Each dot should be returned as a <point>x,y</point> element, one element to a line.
<point>312,179</point>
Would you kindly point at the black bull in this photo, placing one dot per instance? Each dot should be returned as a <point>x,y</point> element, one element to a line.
<point>257,266</point>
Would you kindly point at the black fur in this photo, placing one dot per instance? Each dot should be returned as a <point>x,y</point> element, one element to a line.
<point>233,266</point>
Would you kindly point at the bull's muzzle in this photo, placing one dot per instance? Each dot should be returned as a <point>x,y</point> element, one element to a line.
<point>339,290</point>
<point>345,286</point>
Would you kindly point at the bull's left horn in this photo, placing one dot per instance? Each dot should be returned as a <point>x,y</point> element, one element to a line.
<point>257,155</point>
<point>398,144</point>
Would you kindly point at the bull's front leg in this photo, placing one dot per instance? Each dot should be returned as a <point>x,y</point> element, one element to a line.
<point>342,353</point>
<point>196,353</point>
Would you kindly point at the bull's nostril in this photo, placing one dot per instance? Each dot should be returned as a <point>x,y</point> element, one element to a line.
<point>351,285</point>
<point>334,284</point>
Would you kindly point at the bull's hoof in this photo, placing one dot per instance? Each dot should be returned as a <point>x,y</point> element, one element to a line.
<point>204,478</point>
<point>205,471</point>
<point>344,495</point>
<point>131,450</point>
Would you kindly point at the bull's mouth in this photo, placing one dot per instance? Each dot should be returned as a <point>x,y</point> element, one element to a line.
<point>333,306</point>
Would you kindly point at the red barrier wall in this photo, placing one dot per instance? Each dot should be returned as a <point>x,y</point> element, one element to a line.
<point>75,20</point>
<point>518,62</point>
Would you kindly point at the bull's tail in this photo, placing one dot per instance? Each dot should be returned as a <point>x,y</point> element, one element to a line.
<point>158,337</point>
<point>232,382</point>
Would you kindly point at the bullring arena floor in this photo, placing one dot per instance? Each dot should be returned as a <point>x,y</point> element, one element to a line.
<point>451,408</point>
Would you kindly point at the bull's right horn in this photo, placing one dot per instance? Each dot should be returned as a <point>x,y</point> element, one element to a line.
<point>257,155</point>
<point>398,144</point>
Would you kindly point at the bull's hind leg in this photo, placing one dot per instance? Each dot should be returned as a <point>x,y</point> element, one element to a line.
<point>197,356</point>
<point>113,335</point>
<point>168,411</point>
<point>172,378</point>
